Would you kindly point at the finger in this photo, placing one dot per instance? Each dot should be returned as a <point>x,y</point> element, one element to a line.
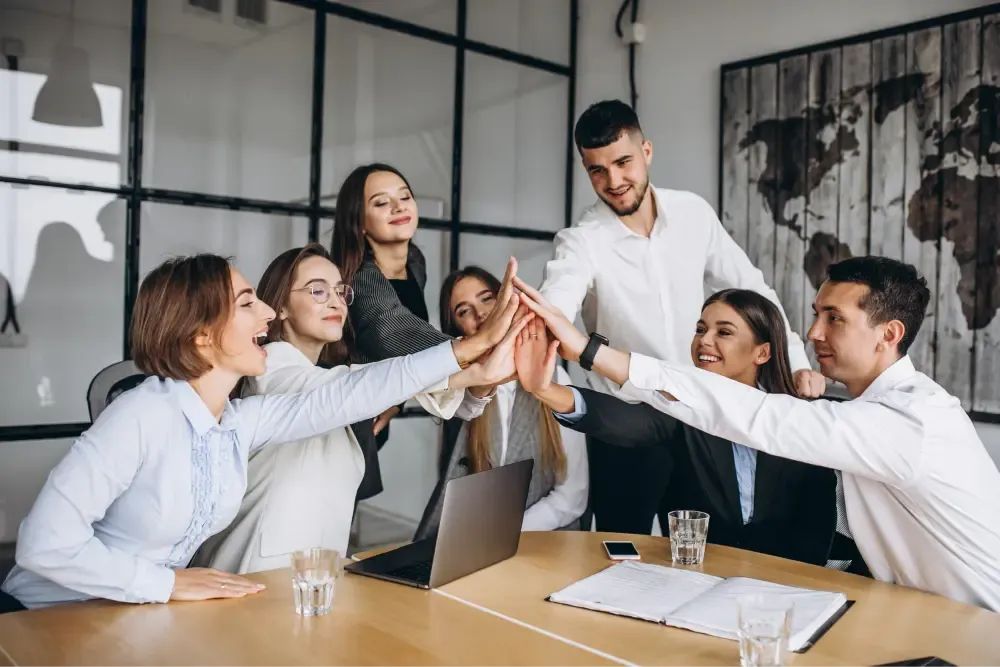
<point>507,286</point>
<point>535,295</point>
<point>550,357</point>
<point>233,581</point>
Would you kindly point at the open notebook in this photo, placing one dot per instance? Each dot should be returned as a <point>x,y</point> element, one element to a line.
<point>696,601</point>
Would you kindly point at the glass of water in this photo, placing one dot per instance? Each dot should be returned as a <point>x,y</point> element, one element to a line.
<point>765,623</point>
<point>688,531</point>
<point>314,577</point>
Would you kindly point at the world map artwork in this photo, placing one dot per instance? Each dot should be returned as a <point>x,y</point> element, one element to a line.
<point>889,146</point>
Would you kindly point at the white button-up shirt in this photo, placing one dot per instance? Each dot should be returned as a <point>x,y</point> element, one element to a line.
<point>645,294</point>
<point>922,494</point>
<point>157,474</point>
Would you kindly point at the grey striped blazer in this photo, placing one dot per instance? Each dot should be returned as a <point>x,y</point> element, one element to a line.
<point>384,327</point>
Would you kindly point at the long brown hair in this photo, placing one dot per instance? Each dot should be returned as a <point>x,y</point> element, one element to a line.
<point>768,326</point>
<point>349,247</point>
<point>275,289</point>
<point>478,441</point>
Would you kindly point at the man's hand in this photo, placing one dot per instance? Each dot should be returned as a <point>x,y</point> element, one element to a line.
<point>572,342</point>
<point>535,357</point>
<point>201,583</point>
<point>383,419</point>
<point>809,383</point>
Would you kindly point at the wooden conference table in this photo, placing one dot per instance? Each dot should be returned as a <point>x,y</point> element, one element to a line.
<point>496,616</point>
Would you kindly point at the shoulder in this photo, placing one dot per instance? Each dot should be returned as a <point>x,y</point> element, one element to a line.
<point>150,409</point>
<point>684,201</point>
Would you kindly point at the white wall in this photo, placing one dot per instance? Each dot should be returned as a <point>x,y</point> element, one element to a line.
<point>677,75</point>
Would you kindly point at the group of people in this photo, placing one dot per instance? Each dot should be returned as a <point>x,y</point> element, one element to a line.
<point>258,428</point>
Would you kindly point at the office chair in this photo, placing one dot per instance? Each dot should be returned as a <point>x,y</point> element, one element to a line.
<point>111,382</point>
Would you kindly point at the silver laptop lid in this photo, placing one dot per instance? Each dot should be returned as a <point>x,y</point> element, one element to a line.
<point>480,521</point>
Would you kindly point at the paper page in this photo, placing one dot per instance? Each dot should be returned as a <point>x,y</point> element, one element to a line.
<point>715,613</point>
<point>642,590</point>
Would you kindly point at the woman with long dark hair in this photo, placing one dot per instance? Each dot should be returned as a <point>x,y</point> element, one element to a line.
<point>373,230</point>
<point>514,427</point>
<point>756,501</point>
<point>286,484</point>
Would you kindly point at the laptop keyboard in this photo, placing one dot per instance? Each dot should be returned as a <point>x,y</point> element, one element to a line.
<point>418,572</point>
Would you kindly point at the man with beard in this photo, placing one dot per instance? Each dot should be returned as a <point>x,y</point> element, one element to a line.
<point>639,263</point>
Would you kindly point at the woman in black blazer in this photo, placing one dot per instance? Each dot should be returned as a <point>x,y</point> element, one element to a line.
<point>756,501</point>
<point>374,224</point>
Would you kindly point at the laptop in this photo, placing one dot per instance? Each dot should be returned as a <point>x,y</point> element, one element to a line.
<point>480,525</point>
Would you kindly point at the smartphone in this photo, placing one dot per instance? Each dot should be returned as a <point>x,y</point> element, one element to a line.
<point>621,551</point>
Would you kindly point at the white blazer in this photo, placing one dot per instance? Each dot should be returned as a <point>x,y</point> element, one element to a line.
<point>301,494</point>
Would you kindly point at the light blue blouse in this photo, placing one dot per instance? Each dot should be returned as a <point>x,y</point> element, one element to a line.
<point>157,475</point>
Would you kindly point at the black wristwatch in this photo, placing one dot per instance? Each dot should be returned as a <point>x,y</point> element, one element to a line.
<point>589,352</point>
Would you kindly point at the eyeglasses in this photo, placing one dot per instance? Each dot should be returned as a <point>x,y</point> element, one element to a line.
<point>321,292</point>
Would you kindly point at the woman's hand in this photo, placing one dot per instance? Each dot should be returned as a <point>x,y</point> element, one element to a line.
<point>572,342</point>
<point>535,357</point>
<point>383,419</point>
<point>498,367</point>
<point>201,583</point>
<point>495,326</point>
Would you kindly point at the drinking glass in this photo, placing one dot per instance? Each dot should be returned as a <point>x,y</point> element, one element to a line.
<point>688,531</point>
<point>314,578</point>
<point>764,626</point>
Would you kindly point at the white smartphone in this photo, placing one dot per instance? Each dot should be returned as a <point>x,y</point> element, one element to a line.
<point>621,550</point>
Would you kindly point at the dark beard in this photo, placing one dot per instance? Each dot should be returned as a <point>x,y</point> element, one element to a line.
<point>629,210</point>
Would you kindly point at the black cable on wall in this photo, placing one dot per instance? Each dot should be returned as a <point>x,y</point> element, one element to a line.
<point>633,93</point>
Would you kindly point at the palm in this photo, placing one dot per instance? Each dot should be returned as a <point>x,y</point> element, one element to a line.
<point>530,358</point>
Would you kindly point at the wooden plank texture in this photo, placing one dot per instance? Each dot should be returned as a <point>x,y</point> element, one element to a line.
<point>828,140</point>
<point>793,192</point>
<point>762,173</point>
<point>960,152</point>
<point>986,392</point>
<point>922,183</point>
<point>855,114</point>
<point>735,161</point>
<point>888,146</point>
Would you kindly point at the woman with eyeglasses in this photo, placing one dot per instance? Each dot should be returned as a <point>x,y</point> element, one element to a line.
<point>301,495</point>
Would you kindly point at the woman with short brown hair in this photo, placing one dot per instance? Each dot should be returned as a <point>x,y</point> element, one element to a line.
<point>164,466</point>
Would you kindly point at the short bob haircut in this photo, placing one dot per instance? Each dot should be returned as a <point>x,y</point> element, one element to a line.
<point>179,300</point>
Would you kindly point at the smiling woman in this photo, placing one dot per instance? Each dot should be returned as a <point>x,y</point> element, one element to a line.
<point>164,467</point>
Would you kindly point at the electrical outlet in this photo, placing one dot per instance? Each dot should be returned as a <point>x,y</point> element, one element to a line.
<point>13,340</point>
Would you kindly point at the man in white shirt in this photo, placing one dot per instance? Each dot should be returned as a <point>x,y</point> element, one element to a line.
<point>922,494</point>
<point>640,263</point>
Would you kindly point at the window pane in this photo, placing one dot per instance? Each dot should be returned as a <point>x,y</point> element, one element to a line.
<point>62,260</point>
<point>389,99</point>
<point>537,28</point>
<point>514,153</point>
<point>24,466</point>
<point>492,252</point>
<point>438,14</point>
<point>252,239</point>
<point>409,472</point>
<point>228,106</point>
<point>67,101</point>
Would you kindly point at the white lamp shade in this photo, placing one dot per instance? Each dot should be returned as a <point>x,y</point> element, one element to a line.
<point>68,97</point>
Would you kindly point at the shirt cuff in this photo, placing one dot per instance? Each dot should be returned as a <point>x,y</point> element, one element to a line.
<point>579,409</point>
<point>153,583</point>
<point>798,359</point>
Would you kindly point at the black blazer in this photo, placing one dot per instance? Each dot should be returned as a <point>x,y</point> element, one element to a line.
<point>795,506</point>
<point>385,328</point>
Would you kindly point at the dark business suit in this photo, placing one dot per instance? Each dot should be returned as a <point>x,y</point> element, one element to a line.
<point>794,512</point>
<point>385,328</point>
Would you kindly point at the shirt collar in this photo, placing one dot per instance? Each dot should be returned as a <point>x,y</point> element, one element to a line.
<point>890,377</point>
<point>197,413</point>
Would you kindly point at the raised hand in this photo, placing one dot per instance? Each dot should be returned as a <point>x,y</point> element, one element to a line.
<point>497,367</point>
<point>495,326</point>
<point>809,383</point>
<point>202,583</point>
<point>535,357</point>
<point>571,341</point>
